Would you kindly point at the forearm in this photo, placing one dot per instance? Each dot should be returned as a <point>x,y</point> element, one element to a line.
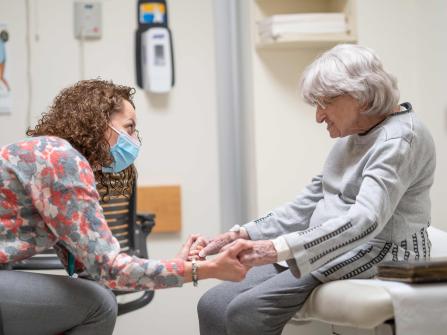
<point>291,217</point>
<point>205,270</point>
<point>237,232</point>
<point>316,246</point>
<point>132,273</point>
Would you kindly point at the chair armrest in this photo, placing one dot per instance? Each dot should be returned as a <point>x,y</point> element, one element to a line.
<point>133,305</point>
<point>146,221</point>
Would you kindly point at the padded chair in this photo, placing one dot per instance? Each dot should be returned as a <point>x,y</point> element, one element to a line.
<point>129,228</point>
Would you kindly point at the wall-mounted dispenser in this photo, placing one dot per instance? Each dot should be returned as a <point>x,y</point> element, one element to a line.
<point>154,51</point>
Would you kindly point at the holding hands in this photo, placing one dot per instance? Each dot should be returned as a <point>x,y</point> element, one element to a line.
<point>226,266</point>
<point>254,253</point>
<point>203,247</point>
<point>250,253</point>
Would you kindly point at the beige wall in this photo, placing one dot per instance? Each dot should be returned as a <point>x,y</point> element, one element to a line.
<point>290,147</point>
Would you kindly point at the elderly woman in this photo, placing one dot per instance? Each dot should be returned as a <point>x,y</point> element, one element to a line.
<point>48,198</point>
<point>370,203</point>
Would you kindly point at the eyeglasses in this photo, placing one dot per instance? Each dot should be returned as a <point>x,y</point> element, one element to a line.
<point>134,135</point>
<point>323,102</point>
<point>320,104</point>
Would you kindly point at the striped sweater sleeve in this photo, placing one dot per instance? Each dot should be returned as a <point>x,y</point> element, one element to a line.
<point>292,217</point>
<point>386,177</point>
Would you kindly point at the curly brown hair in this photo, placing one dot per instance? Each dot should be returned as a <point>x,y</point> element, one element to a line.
<point>80,114</point>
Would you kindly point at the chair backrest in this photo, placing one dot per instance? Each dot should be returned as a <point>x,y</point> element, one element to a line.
<point>120,213</point>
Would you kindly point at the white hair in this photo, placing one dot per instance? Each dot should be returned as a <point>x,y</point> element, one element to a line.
<point>354,70</point>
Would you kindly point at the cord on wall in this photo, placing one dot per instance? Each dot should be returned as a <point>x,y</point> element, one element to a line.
<point>87,26</point>
<point>81,56</point>
<point>28,63</point>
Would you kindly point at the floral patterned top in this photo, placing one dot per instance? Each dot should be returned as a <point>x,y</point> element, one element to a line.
<point>48,198</point>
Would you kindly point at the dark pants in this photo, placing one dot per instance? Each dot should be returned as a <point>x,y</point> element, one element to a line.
<point>37,304</point>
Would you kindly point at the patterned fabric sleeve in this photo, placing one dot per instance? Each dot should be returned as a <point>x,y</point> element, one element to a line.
<point>62,188</point>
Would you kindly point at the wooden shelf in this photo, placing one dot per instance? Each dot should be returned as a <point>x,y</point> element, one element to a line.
<point>305,41</point>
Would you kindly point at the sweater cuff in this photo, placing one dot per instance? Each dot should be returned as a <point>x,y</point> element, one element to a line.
<point>300,257</point>
<point>282,249</point>
<point>253,231</point>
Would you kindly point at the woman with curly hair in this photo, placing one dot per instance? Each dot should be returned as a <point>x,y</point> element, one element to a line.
<point>48,198</point>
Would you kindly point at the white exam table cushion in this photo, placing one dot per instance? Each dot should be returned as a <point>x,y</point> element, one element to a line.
<point>358,302</point>
<point>348,303</point>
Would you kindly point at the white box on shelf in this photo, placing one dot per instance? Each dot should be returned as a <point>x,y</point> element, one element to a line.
<point>308,23</point>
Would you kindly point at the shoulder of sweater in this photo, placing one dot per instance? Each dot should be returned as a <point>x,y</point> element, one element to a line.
<point>403,126</point>
<point>43,146</point>
<point>409,128</point>
<point>40,143</point>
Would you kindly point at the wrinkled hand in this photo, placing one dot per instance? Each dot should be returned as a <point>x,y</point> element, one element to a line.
<point>227,266</point>
<point>217,243</point>
<point>184,251</point>
<point>256,252</point>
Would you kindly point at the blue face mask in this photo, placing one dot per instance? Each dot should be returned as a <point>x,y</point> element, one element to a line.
<point>124,152</point>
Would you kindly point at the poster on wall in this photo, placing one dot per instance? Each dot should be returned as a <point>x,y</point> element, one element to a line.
<point>5,89</point>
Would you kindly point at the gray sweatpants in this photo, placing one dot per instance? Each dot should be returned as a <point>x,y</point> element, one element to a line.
<point>37,304</point>
<point>260,304</point>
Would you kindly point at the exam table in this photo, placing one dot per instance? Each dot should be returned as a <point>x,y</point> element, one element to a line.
<point>357,307</point>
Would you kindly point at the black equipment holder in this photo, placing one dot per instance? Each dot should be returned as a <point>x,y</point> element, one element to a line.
<point>143,27</point>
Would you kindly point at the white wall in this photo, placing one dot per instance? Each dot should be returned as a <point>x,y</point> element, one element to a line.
<point>290,147</point>
<point>409,35</point>
<point>179,130</point>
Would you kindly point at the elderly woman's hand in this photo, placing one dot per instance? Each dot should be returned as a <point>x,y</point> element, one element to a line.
<point>214,245</point>
<point>203,247</point>
<point>185,249</point>
<point>256,253</point>
<point>196,247</point>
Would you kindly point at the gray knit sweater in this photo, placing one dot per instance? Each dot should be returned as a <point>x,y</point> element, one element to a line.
<point>370,204</point>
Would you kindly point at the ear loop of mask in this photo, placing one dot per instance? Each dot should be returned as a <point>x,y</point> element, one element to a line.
<point>130,138</point>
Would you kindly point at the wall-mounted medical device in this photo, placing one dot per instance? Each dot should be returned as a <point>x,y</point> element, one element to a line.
<point>87,20</point>
<point>154,51</point>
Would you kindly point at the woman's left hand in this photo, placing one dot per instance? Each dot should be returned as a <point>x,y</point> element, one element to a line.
<point>184,251</point>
